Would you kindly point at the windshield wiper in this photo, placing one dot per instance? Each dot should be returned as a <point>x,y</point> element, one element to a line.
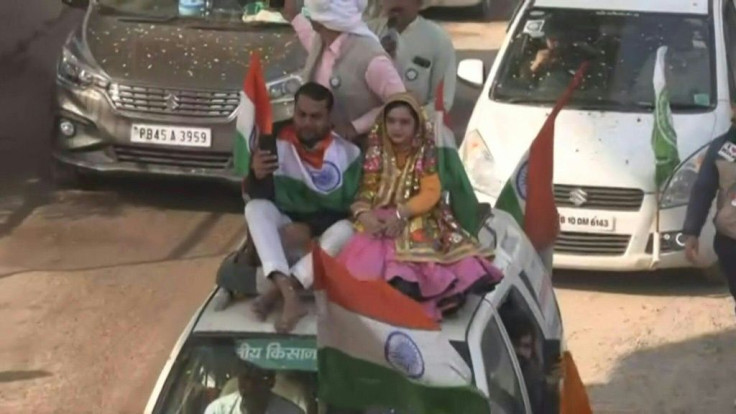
<point>525,100</point>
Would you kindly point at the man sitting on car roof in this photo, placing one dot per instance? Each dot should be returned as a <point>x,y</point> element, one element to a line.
<point>315,176</point>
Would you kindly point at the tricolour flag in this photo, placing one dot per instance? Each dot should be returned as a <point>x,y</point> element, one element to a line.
<point>574,397</point>
<point>328,183</point>
<point>454,179</point>
<point>664,137</point>
<point>254,116</point>
<point>378,348</point>
<point>528,194</point>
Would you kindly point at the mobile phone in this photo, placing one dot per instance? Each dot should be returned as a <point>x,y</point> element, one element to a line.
<point>268,143</point>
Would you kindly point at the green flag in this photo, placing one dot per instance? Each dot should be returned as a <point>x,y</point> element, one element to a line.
<point>664,137</point>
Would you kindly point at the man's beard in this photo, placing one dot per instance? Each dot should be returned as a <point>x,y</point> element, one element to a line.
<point>311,140</point>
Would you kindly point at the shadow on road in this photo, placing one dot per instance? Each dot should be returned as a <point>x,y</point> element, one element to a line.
<point>694,376</point>
<point>14,376</point>
<point>684,282</point>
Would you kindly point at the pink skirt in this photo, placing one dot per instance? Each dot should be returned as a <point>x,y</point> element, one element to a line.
<point>371,258</point>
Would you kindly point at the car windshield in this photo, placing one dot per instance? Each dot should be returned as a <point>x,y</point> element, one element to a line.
<point>207,12</point>
<point>551,44</point>
<point>221,374</point>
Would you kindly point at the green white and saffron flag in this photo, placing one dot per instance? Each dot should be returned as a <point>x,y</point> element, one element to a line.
<point>454,179</point>
<point>376,348</point>
<point>253,118</point>
<point>328,183</point>
<point>664,137</point>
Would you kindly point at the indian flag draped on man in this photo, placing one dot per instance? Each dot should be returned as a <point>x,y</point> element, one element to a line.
<point>378,348</point>
<point>664,137</point>
<point>305,182</point>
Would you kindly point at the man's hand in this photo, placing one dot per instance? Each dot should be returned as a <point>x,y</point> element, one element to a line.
<point>290,10</point>
<point>264,163</point>
<point>541,58</point>
<point>347,131</point>
<point>371,223</point>
<point>692,249</point>
<point>554,376</point>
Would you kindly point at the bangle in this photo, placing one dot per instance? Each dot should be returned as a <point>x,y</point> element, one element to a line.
<point>398,214</point>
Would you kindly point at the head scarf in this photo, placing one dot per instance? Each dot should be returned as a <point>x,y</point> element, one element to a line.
<point>380,167</point>
<point>339,15</point>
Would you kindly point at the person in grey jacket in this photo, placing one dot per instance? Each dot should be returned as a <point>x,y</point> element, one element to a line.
<point>717,177</point>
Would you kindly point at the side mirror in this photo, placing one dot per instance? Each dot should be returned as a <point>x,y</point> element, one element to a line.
<point>472,72</point>
<point>77,4</point>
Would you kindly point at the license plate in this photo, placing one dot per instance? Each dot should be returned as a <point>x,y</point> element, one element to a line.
<point>171,135</point>
<point>586,222</point>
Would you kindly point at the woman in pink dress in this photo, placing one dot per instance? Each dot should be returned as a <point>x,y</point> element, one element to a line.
<point>406,234</point>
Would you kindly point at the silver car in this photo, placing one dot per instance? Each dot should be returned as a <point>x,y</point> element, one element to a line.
<point>152,86</point>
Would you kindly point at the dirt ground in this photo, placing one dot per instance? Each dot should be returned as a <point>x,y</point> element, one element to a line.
<point>96,285</point>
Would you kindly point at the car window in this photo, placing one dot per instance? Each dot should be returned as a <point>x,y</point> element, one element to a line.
<point>729,27</point>
<point>504,385</point>
<point>549,45</point>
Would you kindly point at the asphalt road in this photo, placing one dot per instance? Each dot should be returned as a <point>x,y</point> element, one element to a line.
<point>96,285</point>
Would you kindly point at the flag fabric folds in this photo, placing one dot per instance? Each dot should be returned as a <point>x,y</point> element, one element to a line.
<point>378,348</point>
<point>664,137</point>
<point>254,117</point>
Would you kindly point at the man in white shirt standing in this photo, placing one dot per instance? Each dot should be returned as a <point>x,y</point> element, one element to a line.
<point>422,51</point>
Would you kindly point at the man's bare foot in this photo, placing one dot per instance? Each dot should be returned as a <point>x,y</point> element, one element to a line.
<point>222,299</point>
<point>263,304</point>
<point>294,310</point>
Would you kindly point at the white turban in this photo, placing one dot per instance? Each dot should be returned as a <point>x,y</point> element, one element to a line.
<point>340,15</point>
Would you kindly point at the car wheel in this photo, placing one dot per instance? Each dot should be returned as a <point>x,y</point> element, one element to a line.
<point>67,176</point>
<point>713,274</point>
<point>483,11</point>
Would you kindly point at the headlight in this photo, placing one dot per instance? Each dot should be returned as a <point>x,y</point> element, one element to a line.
<point>284,88</point>
<point>72,70</point>
<point>677,190</point>
<point>480,165</point>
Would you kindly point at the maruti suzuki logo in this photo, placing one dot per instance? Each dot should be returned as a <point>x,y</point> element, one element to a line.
<point>172,102</point>
<point>578,197</point>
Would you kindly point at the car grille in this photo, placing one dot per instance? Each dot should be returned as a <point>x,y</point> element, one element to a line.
<point>592,244</point>
<point>173,102</point>
<point>173,158</point>
<point>602,198</point>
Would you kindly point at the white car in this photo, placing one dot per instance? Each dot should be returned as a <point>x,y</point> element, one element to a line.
<point>604,185</point>
<point>199,369</point>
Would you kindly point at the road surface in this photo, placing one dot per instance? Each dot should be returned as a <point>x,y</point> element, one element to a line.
<point>96,285</point>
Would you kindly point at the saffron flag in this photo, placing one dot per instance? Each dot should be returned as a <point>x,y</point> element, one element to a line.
<point>254,116</point>
<point>454,179</point>
<point>528,195</point>
<point>376,348</point>
<point>574,398</point>
<point>664,137</point>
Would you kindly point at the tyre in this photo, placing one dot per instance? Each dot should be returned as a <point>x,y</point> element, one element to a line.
<point>713,274</point>
<point>66,176</point>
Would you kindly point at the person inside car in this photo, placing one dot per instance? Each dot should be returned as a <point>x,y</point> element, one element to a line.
<point>346,57</point>
<point>255,394</point>
<point>315,174</point>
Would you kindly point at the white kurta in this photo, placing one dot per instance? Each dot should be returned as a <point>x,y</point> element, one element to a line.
<point>424,39</point>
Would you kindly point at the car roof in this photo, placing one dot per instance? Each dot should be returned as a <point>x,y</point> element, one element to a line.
<point>653,6</point>
<point>238,319</point>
